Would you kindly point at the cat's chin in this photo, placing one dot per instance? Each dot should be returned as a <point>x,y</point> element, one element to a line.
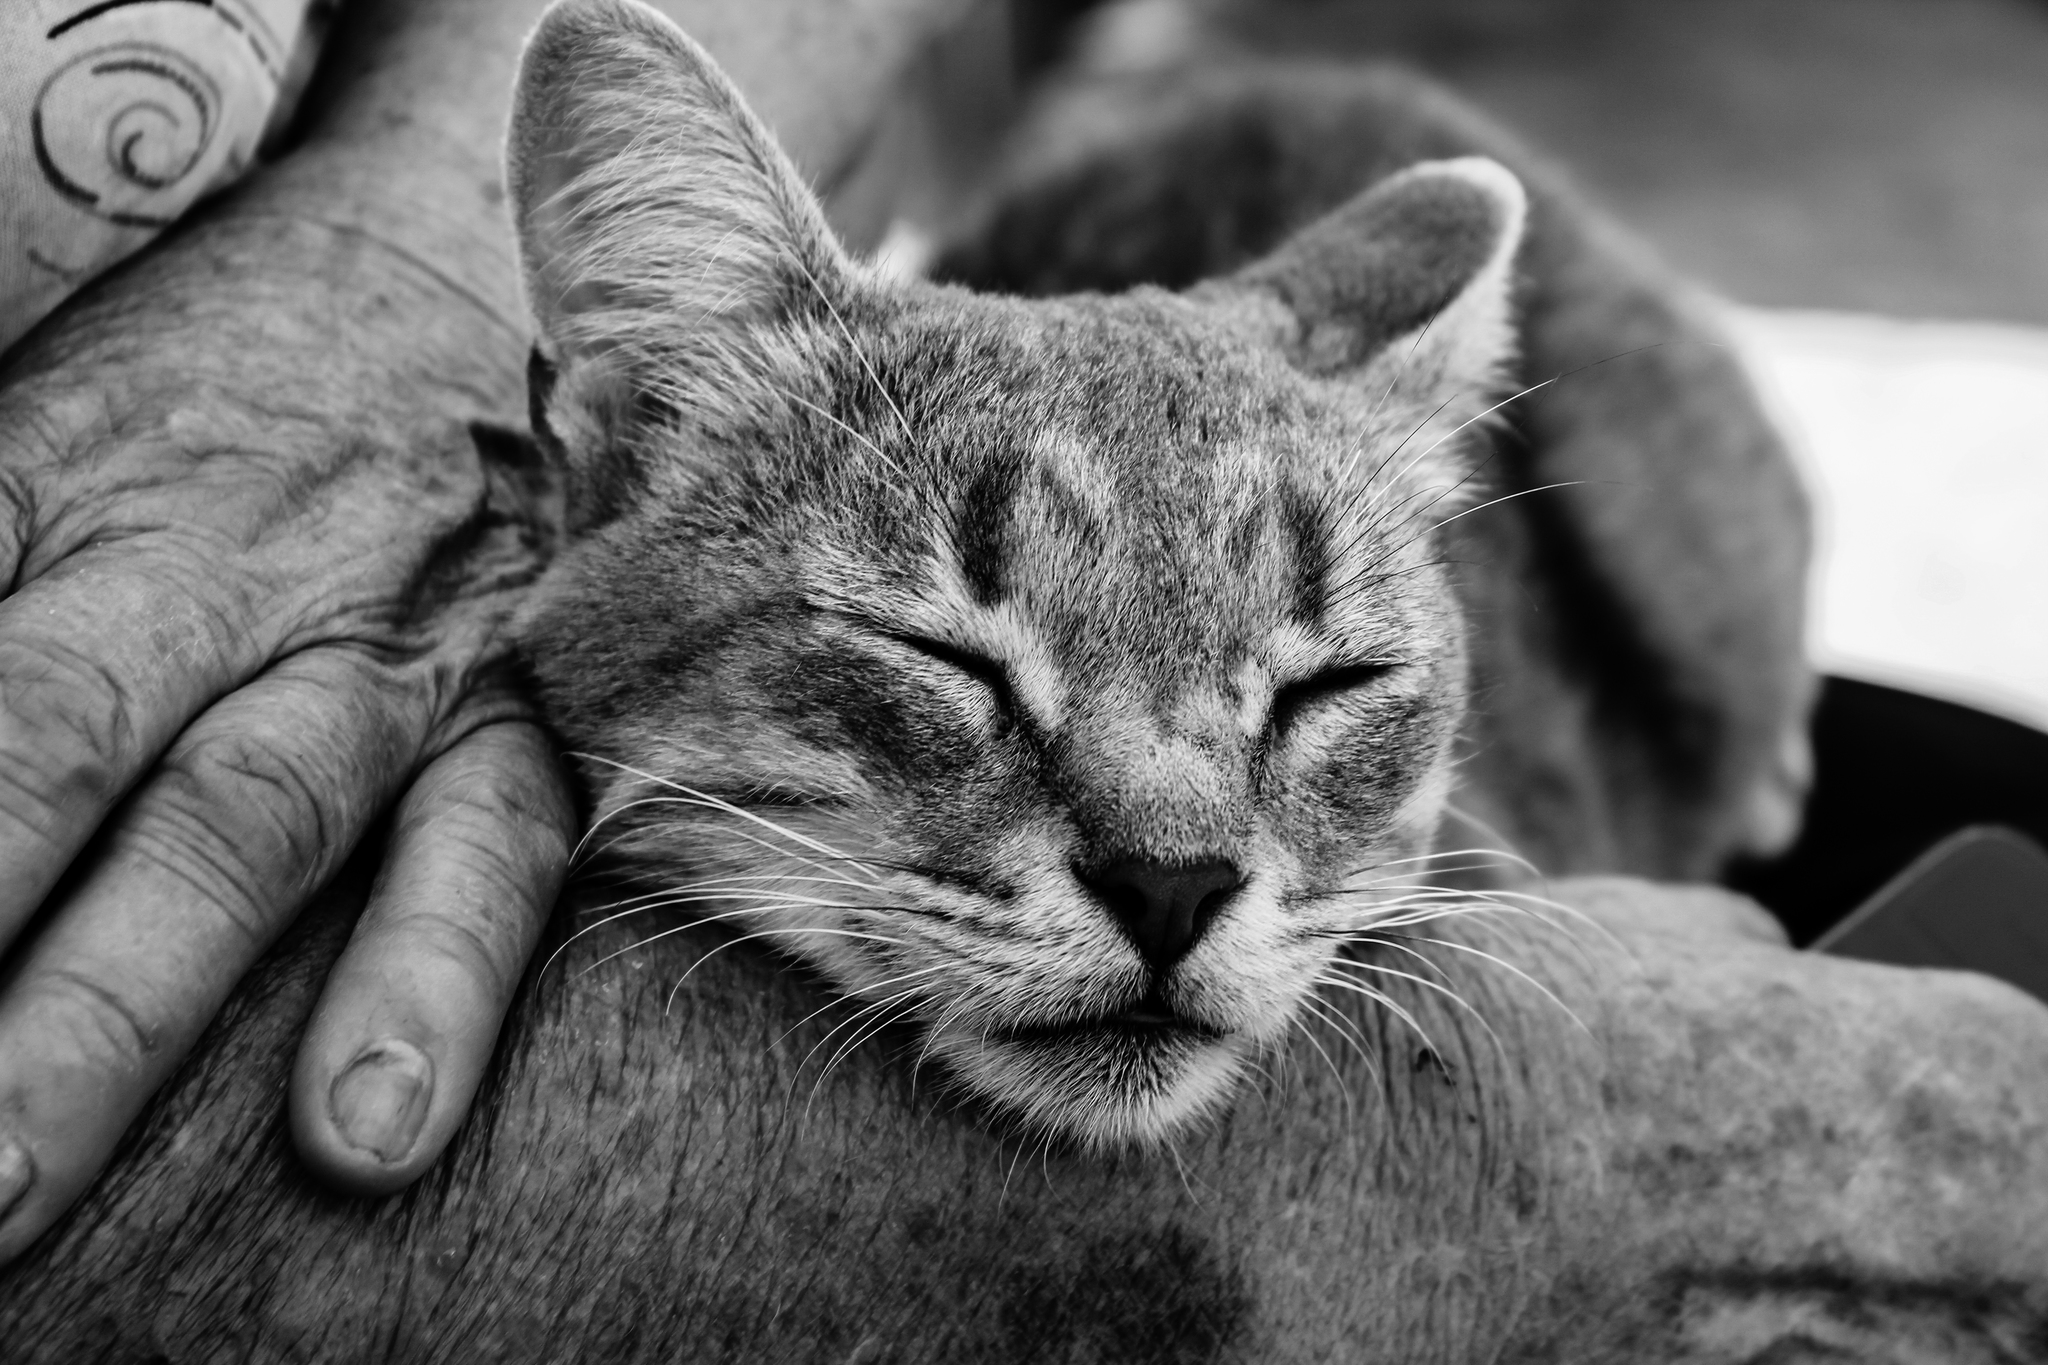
<point>1105,1084</point>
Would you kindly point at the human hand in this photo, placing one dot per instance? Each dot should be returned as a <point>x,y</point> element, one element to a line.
<point>257,589</point>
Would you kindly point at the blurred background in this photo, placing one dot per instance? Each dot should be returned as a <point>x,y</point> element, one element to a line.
<point>1863,182</point>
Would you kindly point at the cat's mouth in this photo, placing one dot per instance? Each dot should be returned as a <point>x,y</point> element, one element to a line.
<point>1105,1077</point>
<point>1149,1021</point>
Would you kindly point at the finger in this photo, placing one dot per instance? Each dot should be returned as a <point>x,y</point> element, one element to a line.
<point>252,809</point>
<point>411,1012</point>
<point>102,662</point>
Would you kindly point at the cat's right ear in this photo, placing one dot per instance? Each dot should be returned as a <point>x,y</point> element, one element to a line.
<point>1408,286</point>
<point>666,241</point>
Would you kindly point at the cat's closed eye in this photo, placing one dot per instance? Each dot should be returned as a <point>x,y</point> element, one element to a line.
<point>1292,700</point>
<point>985,671</point>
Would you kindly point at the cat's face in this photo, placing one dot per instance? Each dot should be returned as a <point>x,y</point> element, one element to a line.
<point>1067,680</point>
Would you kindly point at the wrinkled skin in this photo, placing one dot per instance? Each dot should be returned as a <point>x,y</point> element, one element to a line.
<point>1746,1154</point>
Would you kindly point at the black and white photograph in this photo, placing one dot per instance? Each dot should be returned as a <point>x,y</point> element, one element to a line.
<point>1044,682</point>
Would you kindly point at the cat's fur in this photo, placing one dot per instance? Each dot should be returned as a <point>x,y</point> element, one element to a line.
<point>1076,680</point>
<point>940,638</point>
<point>1635,599</point>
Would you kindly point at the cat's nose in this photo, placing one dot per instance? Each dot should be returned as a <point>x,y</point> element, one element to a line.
<point>1163,907</point>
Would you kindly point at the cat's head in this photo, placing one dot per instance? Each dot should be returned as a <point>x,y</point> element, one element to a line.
<point>1066,679</point>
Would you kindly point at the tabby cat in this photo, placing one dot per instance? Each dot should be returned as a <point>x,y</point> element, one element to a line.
<point>1074,681</point>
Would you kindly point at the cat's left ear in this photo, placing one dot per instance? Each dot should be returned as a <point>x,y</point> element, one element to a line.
<point>1409,284</point>
<point>667,242</point>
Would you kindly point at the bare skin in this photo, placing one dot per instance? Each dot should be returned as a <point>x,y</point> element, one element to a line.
<point>249,614</point>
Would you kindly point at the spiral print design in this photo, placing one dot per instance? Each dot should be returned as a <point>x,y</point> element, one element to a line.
<point>117,129</point>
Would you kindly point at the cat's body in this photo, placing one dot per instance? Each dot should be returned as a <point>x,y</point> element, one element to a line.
<point>1713,1151</point>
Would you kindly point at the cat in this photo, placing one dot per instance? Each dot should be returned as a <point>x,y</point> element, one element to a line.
<point>1076,681</point>
<point>1655,1172</point>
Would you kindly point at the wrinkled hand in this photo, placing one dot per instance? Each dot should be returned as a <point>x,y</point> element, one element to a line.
<point>257,591</point>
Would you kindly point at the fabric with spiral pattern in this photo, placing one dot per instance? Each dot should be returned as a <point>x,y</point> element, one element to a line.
<point>116,116</point>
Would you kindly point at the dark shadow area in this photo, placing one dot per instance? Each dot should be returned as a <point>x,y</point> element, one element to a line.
<point>1895,773</point>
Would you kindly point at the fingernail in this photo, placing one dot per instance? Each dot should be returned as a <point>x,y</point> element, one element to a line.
<point>17,1173</point>
<point>380,1101</point>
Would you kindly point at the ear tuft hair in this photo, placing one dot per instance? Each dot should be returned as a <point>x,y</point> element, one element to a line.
<point>667,242</point>
<point>1408,289</point>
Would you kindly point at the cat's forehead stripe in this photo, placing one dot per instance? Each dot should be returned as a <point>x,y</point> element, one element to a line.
<point>1054,480</point>
<point>978,537</point>
<point>1310,554</point>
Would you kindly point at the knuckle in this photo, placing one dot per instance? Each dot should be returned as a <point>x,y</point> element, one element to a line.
<point>475,943</point>
<point>69,737</point>
<point>505,808</point>
<point>17,518</point>
<point>219,872</point>
<point>480,906</point>
<point>106,1029</point>
<point>244,801</point>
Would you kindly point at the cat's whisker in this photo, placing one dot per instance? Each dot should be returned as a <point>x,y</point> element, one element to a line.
<point>1505,896</point>
<point>931,1037</point>
<point>860,991</point>
<point>1187,1186</point>
<point>1379,516</point>
<point>776,850</point>
<point>1387,899</point>
<point>1343,1086</point>
<point>804,1062</point>
<point>707,836</point>
<point>1348,1028</point>
<point>1045,1162</point>
<point>855,347</point>
<point>1396,879</point>
<point>1408,917</point>
<point>1511,398</point>
<point>657,901</point>
<point>597,825</point>
<point>1486,830</point>
<point>1466,512</point>
<point>1384,1001</point>
<point>757,934</point>
<point>1427,984</point>
<point>1372,524</point>
<point>825,1072</point>
<point>1540,909</point>
<point>1394,894</point>
<point>878,1008</point>
<point>1484,413</point>
<point>1397,943</point>
<point>883,1020</point>
<point>717,803</point>
<point>1372,416</point>
<point>1440,854</point>
<point>871,447</point>
<point>1372,481</point>
<point>736,884</point>
<point>637,944</point>
<point>1003,1196</point>
<point>1507,966</point>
